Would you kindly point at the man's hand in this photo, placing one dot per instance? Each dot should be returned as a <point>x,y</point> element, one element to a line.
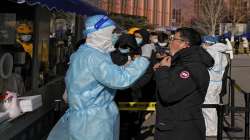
<point>160,56</point>
<point>166,61</point>
<point>65,96</point>
<point>156,66</point>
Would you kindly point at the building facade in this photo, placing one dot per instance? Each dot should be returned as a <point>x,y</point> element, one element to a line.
<point>170,12</point>
<point>183,12</point>
<point>157,12</point>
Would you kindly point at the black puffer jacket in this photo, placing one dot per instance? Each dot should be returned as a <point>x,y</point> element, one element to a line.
<point>182,87</point>
<point>181,92</point>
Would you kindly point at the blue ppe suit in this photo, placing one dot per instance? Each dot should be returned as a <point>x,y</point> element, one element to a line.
<point>91,81</point>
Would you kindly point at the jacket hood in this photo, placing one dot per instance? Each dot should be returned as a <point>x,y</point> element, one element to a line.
<point>194,55</point>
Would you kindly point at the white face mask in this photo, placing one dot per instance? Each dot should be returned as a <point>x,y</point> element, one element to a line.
<point>26,38</point>
<point>162,44</point>
<point>123,50</point>
<point>101,39</point>
<point>155,40</point>
<point>138,40</point>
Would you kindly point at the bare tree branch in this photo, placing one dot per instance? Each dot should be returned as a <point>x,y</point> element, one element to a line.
<point>236,14</point>
<point>210,16</point>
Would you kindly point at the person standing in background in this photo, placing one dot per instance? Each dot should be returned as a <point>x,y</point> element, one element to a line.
<point>237,45</point>
<point>245,44</point>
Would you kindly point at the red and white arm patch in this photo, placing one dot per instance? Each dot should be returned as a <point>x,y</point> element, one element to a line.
<point>184,74</point>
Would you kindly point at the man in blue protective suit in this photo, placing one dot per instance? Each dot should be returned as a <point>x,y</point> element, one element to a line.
<point>91,83</point>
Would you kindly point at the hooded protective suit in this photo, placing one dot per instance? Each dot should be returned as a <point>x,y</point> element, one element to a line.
<point>230,49</point>
<point>245,42</point>
<point>91,81</point>
<point>212,97</point>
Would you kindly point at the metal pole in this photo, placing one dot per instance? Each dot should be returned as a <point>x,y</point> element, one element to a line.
<point>232,104</point>
<point>246,95</point>
<point>230,74</point>
<point>232,127</point>
<point>57,109</point>
<point>220,111</point>
<point>35,61</point>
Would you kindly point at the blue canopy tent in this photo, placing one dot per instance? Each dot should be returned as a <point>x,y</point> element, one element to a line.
<point>246,35</point>
<point>225,35</point>
<point>74,6</point>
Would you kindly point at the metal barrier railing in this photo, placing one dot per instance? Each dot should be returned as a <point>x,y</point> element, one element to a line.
<point>220,112</point>
<point>241,50</point>
<point>221,109</point>
<point>150,106</point>
<point>247,104</point>
<point>231,103</point>
<point>233,109</point>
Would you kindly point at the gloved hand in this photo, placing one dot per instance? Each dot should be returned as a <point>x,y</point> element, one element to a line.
<point>147,50</point>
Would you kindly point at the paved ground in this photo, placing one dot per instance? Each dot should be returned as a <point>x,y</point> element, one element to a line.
<point>241,73</point>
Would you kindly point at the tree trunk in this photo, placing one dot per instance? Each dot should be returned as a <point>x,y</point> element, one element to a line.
<point>213,29</point>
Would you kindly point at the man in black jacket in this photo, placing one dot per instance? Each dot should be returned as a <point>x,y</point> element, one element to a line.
<point>182,80</point>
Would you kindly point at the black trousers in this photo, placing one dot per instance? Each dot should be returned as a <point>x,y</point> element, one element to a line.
<point>182,130</point>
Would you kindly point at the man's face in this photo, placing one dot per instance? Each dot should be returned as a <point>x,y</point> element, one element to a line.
<point>177,43</point>
<point>153,38</point>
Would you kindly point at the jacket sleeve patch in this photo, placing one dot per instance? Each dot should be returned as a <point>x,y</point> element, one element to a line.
<point>184,74</point>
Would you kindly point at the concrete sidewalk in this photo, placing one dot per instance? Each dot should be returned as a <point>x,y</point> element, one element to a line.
<point>147,131</point>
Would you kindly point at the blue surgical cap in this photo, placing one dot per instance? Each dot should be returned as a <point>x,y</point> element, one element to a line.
<point>210,39</point>
<point>97,22</point>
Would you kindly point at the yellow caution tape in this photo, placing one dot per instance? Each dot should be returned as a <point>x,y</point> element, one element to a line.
<point>146,106</point>
<point>237,87</point>
<point>137,106</point>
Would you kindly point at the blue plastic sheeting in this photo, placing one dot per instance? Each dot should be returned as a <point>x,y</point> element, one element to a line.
<point>74,6</point>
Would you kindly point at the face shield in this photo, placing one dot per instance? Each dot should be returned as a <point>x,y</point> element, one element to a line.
<point>117,32</point>
<point>99,32</point>
<point>96,23</point>
<point>114,38</point>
